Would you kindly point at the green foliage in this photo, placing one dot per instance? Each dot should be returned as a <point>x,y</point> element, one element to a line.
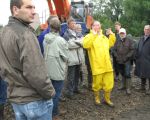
<point>133,14</point>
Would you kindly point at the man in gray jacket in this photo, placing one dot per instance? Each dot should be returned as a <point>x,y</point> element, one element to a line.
<point>74,59</point>
<point>23,67</point>
<point>56,58</point>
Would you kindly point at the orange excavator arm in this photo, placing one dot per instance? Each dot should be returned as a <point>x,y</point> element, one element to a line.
<point>59,7</point>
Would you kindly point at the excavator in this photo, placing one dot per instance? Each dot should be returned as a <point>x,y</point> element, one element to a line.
<point>78,9</point>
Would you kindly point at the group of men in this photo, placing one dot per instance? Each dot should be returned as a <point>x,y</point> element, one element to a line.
<point>35,81</point>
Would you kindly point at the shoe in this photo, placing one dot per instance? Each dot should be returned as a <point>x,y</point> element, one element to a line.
<point>71,97</point>
<point>147,92</point>
<point>121,88</point>
<point>56,118</point>
<point>128,91</point>
<point>62,112</point>
<point>141,89</point>
<point>62,99</point>
<point>78,92</point>
<point>116,78</point>
<point>110,104</point>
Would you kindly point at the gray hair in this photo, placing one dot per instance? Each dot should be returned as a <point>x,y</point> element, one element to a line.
<point>55,24</point>
<point>51,17</point>
<point>147,27</point>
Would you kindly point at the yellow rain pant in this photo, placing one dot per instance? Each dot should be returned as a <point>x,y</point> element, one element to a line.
<point>103,81</point>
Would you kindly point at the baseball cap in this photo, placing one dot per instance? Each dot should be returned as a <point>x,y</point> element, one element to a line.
<point>122,30</point>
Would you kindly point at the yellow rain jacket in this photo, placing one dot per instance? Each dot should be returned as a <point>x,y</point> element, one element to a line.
<point>98,51</point>
<point>112,40</point>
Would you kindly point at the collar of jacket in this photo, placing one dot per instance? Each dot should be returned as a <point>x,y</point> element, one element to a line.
<point>13,19</point>
<point>101,31</point>
<point>145,37</point>
<point>72,32</point>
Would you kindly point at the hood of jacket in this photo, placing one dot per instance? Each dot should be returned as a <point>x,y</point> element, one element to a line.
<point>50,37</point>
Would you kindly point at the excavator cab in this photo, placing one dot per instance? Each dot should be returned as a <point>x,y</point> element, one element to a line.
<point>82,12</point>
<point>78,11</point>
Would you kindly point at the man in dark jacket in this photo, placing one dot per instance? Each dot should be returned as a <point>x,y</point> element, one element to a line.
<point>123,51</point>
<point>142,68</point>
<point>23,67</point>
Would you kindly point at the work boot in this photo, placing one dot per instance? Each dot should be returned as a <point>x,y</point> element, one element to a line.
<point>1,111</point>
<point>123,84</point>
<point>56,117</point>
<point>128,83</point>
<point>97,98</point>
<point>62,112</point>
<point>148,90</point>
<point>143,84</point>
<point>107,99</point>
<point>62,99</point>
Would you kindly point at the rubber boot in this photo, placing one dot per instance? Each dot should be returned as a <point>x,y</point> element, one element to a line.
<point>128,84</point>
<point>123,84</point>
<point>1,111</point>
<point>143,84</point>
<point>97,98</point>
<point>148,90</point>
<point>107,99</point>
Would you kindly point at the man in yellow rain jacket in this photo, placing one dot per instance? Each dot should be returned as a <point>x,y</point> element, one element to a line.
<point>98,50</point>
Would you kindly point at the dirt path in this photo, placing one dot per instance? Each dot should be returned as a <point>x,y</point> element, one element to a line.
<point>133,107</point>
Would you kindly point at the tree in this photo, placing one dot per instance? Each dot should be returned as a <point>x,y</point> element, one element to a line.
<point>133,14</point>
<point>107,11</point>
<point>136,15</point>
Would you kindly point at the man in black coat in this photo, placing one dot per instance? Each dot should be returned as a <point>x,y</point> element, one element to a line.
<point>142,68</point>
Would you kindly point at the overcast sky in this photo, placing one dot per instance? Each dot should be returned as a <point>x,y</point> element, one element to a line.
<point>41,5</point>
<point>41,8</point>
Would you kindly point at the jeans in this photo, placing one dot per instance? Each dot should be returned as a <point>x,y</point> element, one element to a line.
<point>58,86</point>
<point>3,91</point>
<point>37,110</point>
<point>125,69</point>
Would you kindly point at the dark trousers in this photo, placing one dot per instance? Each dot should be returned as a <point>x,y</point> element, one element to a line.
<point>73,79</point>
<point>3,97</point>
<point>89,76</point>
<point>58,86</point>
<point>3,91</point>
<point>1,111</point>
<point>143,82</point>
<point>125,69</point>
<point>115,66</point>
<point>87,62</point>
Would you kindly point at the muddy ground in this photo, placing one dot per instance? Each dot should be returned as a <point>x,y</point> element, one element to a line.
<point>127,107</point>
<point>133,107</point>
